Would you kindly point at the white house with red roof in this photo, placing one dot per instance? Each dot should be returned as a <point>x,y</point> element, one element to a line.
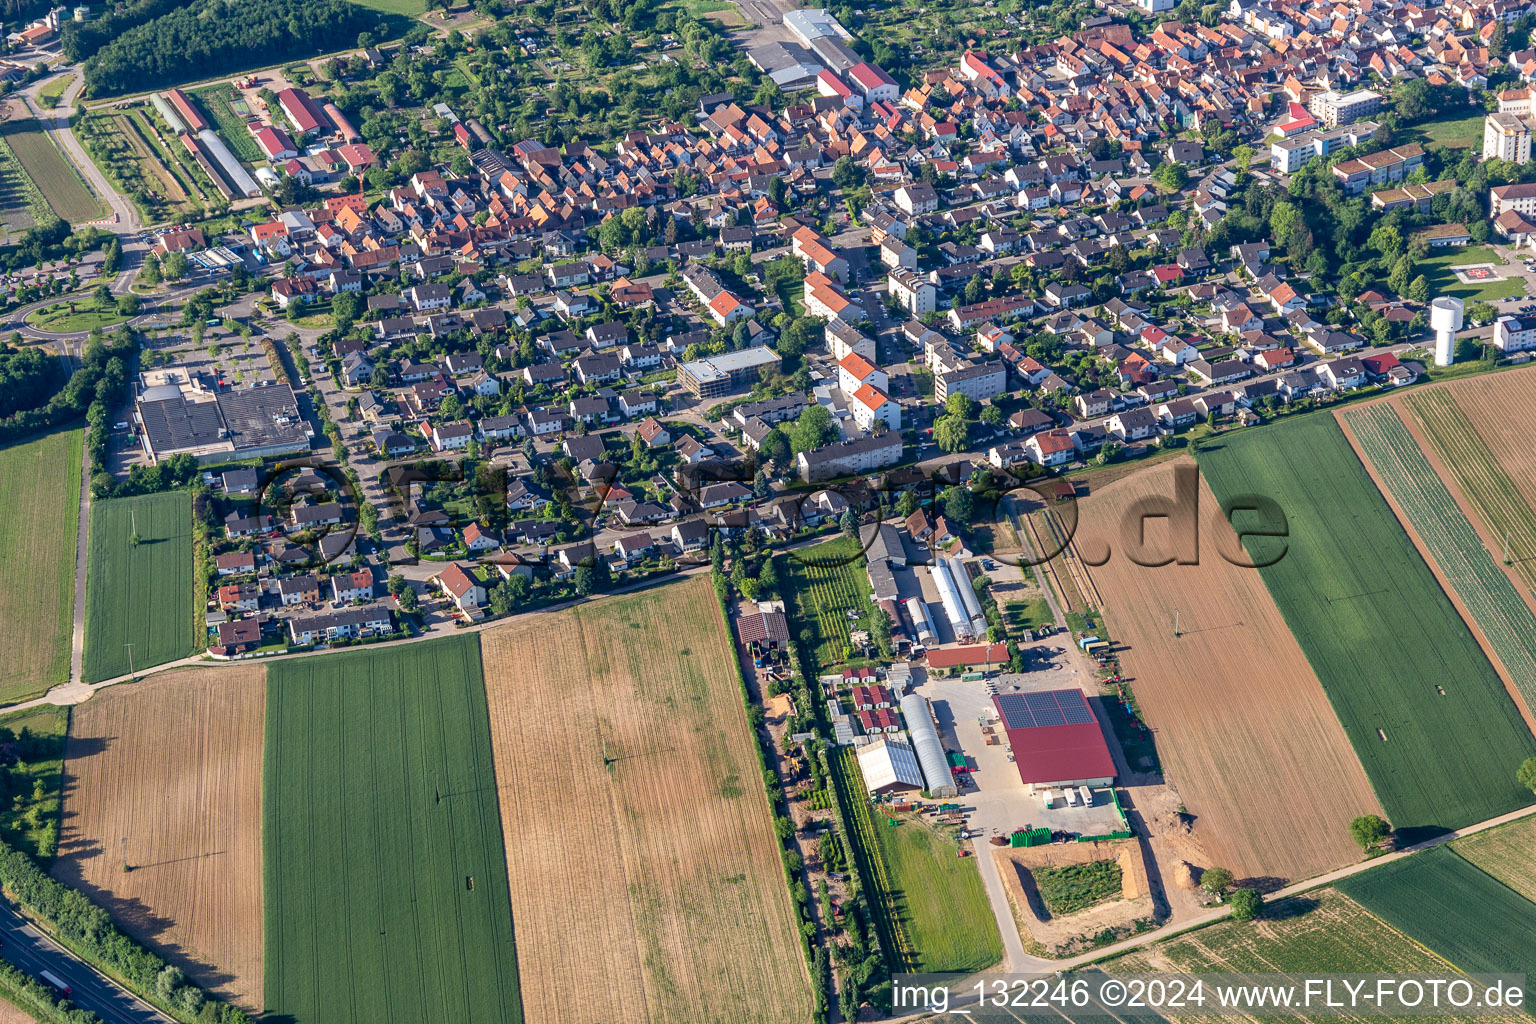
<point>873,84</point>
<point>727,308</point>
<point>829,85</point>
<point>854,371</point>
<point>1051,448</point>
<point>869,405</point>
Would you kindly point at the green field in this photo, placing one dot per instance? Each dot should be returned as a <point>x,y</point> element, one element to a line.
<point>39,523</point>
<point>138,593</point>
<point>823,584</point>
<point>1456,909</point>
<point>1448,133</point>
<point>1437,734</point>
<point>385,876</point>
<point>1508,853</point>
<point>408,8</point>
<point>1501,615</point>
<point>50,94</point>
<point>940,898</point>
<point>21,202</point>
<point>45,165</point>
<point>1439,272</point>
<point>61,321</point>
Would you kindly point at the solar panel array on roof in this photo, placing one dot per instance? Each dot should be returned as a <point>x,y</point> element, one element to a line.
<point>1040,710</point>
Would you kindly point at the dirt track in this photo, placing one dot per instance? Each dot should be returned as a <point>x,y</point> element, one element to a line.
<point>173,764</point>
<point>1242,725</point>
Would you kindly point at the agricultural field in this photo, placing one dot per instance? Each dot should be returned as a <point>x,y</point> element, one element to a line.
<point>1243,729</point>
<point>1322,932</point>
<point>848,782</point>
<point>39,524</point>
<point>1074,887</point>
<point>60,183</point>
<point>138,593</point>
<point>824,584</point>
<point>219,104</point>
<point>21,202</point>
<point>1508,853</point>
<point>165,776</point>
<point>1498,611</point>
<point>633,804</point>
<point>1427,714</point>
<point>1464,914</point>
<point>385,887</point>
<point>937,896</point>
<point>408,8</point>
<point>1479,429</point>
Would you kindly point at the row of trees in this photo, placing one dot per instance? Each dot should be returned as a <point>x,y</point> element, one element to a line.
<point>89,930</point>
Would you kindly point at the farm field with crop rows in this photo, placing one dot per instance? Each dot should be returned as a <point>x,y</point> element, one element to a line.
<point>821,595</point>
<point>1464,914</point>
<point>1508,853</point>
<point>1322,932</point>
<point>1480,428</point>
<point>138,593</point>
<point>1425,711</point>
<point>217,102</point>
<point>55,176</point>
<point>940,897</point>
<point>645,871</point>
<point>1243,728</point>
<point>384,880</point>
<point>165,776</point>
<point>39,524</point>
<point>1501,615</point>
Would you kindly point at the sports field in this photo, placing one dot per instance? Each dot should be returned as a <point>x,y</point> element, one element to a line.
<point>59,181</point>
<point>1244,730</point>
<point>1322,932</point>
<point>384,880</point>
<point>165,775</point>
<point>39,523</point>
<point>1428,716</point>
<point>644,868</point>
<point>138,593</point>
<point>1496,608</point>
<point>1456,909</point>
<point>1480,428</point>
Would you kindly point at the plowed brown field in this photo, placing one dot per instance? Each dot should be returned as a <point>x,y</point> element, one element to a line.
<point>645,875</point>
<point>1243,727</point>
<point>173,765</point>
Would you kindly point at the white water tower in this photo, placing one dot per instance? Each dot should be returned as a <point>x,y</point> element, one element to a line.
<point>1445,320</point>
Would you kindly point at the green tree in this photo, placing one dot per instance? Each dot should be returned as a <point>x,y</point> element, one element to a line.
<point>1369,830</point>
<point>1418,291</point>
<point>775,447</point>
<point>959,404</point>
<point>1246,904</point>
<point>1172,176</point>
<point>1216,881</point>
<point>951,434</point>
<point>907,503</point>
<point>959,505</point>
<point>1526,774</point>
<point>1482,312</point>
<point>992,416</point>
<point>813,429</point>
<point>848,522</point>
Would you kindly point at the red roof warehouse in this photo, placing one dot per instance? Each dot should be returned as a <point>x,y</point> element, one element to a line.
<point>1056,741</point>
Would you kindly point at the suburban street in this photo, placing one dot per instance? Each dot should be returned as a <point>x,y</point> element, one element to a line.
<point>24,945</point>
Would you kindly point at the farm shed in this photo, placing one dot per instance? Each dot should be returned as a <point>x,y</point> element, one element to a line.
<point>925,742</point>
<point>889,766</point>
<point>763,630</point>
<point>970,654</point>
<point>1055,738</point>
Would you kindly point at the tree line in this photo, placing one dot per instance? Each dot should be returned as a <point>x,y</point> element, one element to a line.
<point>93,389</point>
<point>211,37</point>
<point>25,376</point>
<point>89,930</point>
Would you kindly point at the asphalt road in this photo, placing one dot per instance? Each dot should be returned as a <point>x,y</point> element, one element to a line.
<point>24,945</point>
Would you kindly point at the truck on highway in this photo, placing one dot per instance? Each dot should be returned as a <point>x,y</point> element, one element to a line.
<point>56,982</point>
